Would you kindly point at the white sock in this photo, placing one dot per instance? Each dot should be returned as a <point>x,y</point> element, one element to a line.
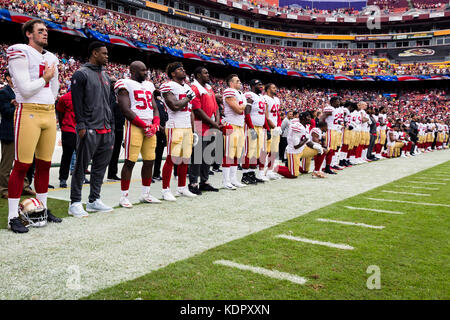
<point>124,193</point>
<point>269,172</point>
<point>261,172</point>
<point>145,190</point>
<point>13,208</point>
<point>226,174</point>
<point>245,170</point>
<point>233,174</point>
<point>42,197</point>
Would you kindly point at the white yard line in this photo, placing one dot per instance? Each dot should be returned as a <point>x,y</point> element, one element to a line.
<point>321,243</point>
<point>374,210</point>
<point>412,202</point>
<point>407,193</point>
<point>265,272</point>
<point>415,187</point>
<point>109,248</point>
<point>351,223</point>
<point>424,182</point>
<point>431,178</point>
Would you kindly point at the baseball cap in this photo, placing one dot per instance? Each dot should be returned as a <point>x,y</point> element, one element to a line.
<point>255,82</point>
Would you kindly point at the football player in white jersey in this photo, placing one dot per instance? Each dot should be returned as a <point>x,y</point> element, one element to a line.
<point>179,129</point>
<point>255,133</point>
<point>34,75</point>
<point>274,122</point>
<point>334,117</point>
<point>137,103</point>
<point>234,103</point>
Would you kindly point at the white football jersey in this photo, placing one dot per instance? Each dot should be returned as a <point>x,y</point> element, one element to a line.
<point>141,94</point>
<point>258,112</point>
<point>296,132</point>
<point>365,125</point>
<point>231,116</point>
<point>356,119</point>
<point>182,118</point>
<point>395,136</point>
<point>36,66</point>
<point>273,106</point>
<point>330,119</point>
<point>382,117</point>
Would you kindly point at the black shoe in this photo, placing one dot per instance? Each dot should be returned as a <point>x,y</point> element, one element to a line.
<point>373,159</point>
<point>63,184</point>
<point>51,186</point>
<point>52,218</point>
<point>195,190</point>
<point>86,181</point>
<point>246,179</point>
<point>207,187</point>
<point>114,178</point>
<point>329,171</point>
<point>211,173</point>
<point>254,178</point>
<point>342,163</point>
<point>239,167</point>
<point>17,226</point>
<point>217,169</point>
<point>158,178</point>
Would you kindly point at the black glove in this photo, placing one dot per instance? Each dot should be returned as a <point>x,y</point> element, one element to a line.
<point>269,135</point>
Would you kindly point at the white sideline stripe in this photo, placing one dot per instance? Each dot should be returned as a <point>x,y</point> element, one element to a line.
<point>407,193</point>
<point>414,187</point>
<point>351,223</point>
<point>374,210</point>
<point>322,243</point>
<point>422,203</point>
<point>432,178</point>
<point>265,272</point>
<point>424,182</point>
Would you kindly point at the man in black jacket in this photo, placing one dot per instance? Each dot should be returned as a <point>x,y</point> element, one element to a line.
<point>373,134</point>
<point>119,122</point>
<point>91,97</point>
<point>8,106</point>
<point>413,133</point>
<point>161,141</point>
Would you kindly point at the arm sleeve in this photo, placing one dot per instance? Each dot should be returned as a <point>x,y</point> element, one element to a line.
<point>54,83</point>
<point>18,68</point>
<point>77,87</point>
<point>196,102</point>
<point>248,121</point>
<point>266,125</point>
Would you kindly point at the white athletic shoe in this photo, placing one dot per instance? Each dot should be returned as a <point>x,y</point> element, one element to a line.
<point>125,203</point>
<point>167,195</point>
<point>272,175</point>
<point>97,206</point>
<point>229,186</point>
<point>76,210</point>
<point>237,184</point>
<point>184,191</point>
<point>261,176</point>
<point>148,198</point>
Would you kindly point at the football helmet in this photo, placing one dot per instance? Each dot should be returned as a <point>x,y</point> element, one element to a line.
<point>33,213</point>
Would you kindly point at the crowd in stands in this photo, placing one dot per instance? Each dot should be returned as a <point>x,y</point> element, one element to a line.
<point>347,63</point>
<point>388,6</point>
<point>433,103</point>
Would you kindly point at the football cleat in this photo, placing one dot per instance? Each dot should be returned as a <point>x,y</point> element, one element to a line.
<point>52,218</point>
<point>16,226</point>
<point>184,192</point>
<point>125,203</point>
<point>167,195</point>
<point>229,186</point>
<point>148,198</point>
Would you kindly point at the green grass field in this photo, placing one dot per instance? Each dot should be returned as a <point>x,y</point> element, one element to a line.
<point>412,253</point>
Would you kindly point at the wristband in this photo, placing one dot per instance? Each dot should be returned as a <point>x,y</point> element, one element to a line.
<point>138,122</point>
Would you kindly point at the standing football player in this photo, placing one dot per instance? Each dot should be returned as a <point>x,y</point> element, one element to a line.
<point>274,122</point>
<point>180,137</point>
<point>34,74</point>
<point>234,103</point>
<point>137,103</point>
